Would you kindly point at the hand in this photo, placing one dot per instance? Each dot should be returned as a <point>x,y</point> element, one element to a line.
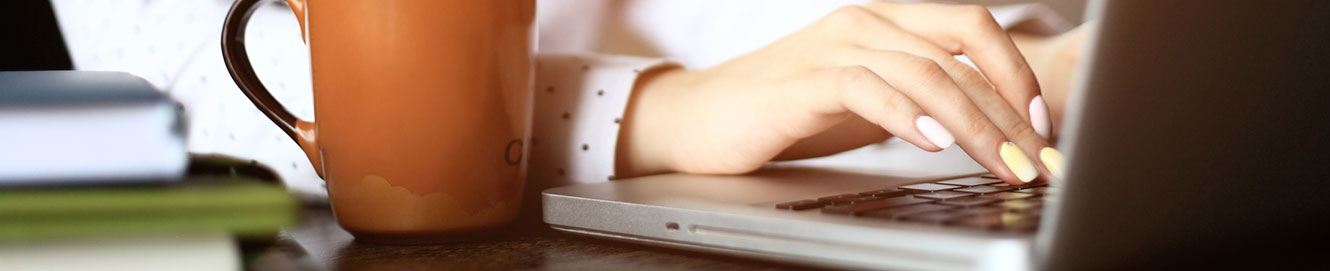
<point>854,77</point>
<point>1053,59</point>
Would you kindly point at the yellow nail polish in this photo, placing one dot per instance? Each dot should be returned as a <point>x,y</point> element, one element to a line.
<point>1052,160</point>
<point>1018,162</point>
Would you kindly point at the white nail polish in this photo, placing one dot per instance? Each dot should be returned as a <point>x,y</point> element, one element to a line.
<point>934,131</point>
<point>1039,117</point>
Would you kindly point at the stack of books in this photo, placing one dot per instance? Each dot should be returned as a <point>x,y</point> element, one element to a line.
<point>81,127</point>
<point>94,175</point>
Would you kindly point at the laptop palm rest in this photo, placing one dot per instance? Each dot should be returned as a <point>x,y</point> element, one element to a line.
<point>736,215</point>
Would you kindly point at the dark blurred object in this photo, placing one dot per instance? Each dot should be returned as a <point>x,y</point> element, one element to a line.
<point>220,164</point>
<point>32,37</point>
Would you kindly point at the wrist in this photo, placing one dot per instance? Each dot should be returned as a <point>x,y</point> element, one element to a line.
<point>646,124</point>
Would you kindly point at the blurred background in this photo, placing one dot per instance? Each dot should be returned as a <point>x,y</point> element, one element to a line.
<point>174,45</point>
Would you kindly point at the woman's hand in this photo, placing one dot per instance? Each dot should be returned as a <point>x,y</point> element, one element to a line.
<point>854,77</point>
<point>1053,59</point>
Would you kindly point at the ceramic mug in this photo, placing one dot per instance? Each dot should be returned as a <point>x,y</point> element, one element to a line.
<point>423,107</point>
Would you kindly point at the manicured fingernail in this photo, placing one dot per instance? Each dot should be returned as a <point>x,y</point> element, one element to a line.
<point>934,132</point>
<point>1017,162</point>
<point>1039,117</point>
<point>1052,160</point>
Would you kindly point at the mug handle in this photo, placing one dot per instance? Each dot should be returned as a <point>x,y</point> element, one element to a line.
<point>237,63</point>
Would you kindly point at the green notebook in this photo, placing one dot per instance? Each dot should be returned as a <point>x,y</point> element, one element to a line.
<point>243,206</point>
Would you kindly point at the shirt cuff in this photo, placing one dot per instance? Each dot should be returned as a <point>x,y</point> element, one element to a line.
<point>579,101</point>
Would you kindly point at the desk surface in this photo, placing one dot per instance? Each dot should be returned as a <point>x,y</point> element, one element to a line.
<point>528,243</point>
<point>318,243</point>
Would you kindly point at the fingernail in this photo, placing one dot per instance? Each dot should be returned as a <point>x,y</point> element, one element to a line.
<point>1052,160</point>
<point>934,132</point>
<point>1039,117</point>
<point>1017,162</point>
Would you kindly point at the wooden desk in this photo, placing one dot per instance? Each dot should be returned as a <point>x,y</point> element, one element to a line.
<point>319,244</point>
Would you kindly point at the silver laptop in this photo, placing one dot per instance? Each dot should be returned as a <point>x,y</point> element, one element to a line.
<point>1197,136</point>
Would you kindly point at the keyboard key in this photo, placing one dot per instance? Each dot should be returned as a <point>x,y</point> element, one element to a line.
<point>1050,198</point>
<point>1007,196</point>
<point>935,217</point>
<point>990,176</point>
<point>929,187</point>
<point>1019,205</point>
<point>1035,190</point>
<point>967,201</point>
<point>801,205</point>
<point>1000,221</point>
<point>1029,223</point>
<point>977,210</point>
<point>1021,186</point>
<point>941,195</point>
<point>984,189</point>
<point>970,181</point>
<point>1052,190</point>
<point>1033,211</point>
<point>839,197</point>
<point>900,212</point>
<point>887,193</point>
<point>856,209</point>
<point>860,199</point>
<point>1035,185</point>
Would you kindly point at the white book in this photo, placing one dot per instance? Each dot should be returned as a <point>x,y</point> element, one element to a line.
<point>78,127</point>
<point>202,252</point>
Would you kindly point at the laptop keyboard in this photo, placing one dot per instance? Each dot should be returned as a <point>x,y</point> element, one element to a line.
<point>981,202</point>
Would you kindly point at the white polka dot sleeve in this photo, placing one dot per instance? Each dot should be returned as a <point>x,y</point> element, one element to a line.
<point>579,102</point>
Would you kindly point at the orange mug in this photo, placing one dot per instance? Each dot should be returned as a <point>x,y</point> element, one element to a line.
<point>423,106</point>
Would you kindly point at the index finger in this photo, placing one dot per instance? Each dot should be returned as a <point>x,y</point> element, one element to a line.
<point>980,38</point>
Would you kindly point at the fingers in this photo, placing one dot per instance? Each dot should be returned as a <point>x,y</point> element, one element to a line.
<point>1016,129</point>
<point>980,38</point>
<point>933,89</point>
<point>888,36</point>
<point>974,86</point>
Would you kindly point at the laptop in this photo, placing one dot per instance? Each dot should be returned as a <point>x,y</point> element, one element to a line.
<point>1196,136</point>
